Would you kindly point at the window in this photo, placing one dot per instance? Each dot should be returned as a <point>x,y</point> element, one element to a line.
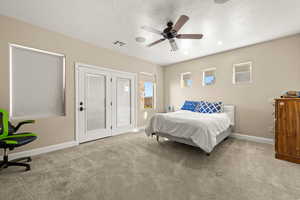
<point>147,91</point>
<point>37,83</point>
<point>186,80</point>
<point>148,94</point>
<point>209,77</point>
<point>242,73</point>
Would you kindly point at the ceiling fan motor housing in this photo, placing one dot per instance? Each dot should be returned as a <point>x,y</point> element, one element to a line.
<point>168,32</point>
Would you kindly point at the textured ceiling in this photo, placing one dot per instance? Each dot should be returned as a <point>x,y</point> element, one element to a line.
<point>226,26</point>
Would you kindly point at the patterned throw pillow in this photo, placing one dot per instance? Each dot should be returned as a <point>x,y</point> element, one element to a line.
<point>209,107</point>
<point>190,105</point>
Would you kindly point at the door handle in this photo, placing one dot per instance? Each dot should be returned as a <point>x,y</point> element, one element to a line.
<point>81,107</point>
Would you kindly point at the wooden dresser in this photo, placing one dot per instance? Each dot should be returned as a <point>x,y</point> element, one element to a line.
<point>287,129</point>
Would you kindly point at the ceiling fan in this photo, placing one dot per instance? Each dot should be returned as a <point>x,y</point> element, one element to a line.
<point>171,32</point>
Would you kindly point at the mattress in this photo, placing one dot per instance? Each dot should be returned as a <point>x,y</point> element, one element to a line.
<point>202,129</point>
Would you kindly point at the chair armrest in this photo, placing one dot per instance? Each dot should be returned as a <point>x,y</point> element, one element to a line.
<point>22,123</point>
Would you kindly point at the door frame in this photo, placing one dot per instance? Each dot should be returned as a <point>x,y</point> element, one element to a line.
<point>79,66</point>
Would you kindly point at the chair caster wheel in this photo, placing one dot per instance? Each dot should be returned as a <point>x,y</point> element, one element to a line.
<point>29,159</point>
<point>28,168</point>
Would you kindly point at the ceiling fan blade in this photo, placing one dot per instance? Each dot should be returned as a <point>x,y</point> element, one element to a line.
<point>152,30</point>
<point>180,22</point>
<point>189,36</point>
<point>173,44</point>
<point>156,42</point>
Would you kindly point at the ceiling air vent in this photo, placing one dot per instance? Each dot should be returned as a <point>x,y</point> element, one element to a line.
<point>119,43</point>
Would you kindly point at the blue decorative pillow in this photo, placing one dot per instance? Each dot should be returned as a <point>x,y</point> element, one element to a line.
<point>190,105</point>
<point>209,107</point>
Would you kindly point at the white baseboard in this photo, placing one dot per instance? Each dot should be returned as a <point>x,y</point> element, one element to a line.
<point>142,128</point>
<point>138,129</point>
<point>42,150</point>
<point>47,149</point>
<point>252,138</point>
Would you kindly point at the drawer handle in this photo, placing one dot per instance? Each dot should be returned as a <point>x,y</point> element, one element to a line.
<point>298,151</point>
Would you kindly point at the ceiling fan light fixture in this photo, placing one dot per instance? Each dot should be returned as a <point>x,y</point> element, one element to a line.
<point>220,1</point>
<point>140,39</point>
<point>173,45</point>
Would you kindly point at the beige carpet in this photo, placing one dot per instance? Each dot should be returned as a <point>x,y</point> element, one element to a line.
<point>133,166</point>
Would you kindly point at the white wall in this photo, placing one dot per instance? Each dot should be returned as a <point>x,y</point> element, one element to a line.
<point>276,68</point>
<point>57,130</point>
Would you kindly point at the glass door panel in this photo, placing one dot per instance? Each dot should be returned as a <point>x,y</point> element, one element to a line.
<point>96,102</point>
<point>123,102</point>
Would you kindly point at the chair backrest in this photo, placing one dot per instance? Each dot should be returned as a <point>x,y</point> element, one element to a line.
<point>3,123</point>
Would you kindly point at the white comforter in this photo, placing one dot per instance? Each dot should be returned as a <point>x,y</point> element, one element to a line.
<point>202,129</point>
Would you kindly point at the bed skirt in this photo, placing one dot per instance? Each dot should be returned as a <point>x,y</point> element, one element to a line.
<point>225,134</point>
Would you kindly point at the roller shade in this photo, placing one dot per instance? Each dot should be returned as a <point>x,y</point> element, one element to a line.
<point>37,83</point>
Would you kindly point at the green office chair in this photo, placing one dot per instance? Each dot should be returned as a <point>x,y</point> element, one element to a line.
<point>9,139</point>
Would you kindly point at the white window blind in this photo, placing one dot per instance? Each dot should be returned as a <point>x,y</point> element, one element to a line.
<point>186,80</point>
<point>242,73</point>
<point>37,83</point>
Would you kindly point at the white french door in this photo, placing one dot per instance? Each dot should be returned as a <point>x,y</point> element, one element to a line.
<point>105,102</point>
<point>93,104</point>
<point>122,102</point>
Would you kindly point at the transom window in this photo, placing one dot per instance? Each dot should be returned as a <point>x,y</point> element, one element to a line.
<point>186,80</point>
<point>242,73</point>
<point>209,77</point>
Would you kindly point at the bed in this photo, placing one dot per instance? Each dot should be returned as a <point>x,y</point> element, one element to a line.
<point>193,128</point>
